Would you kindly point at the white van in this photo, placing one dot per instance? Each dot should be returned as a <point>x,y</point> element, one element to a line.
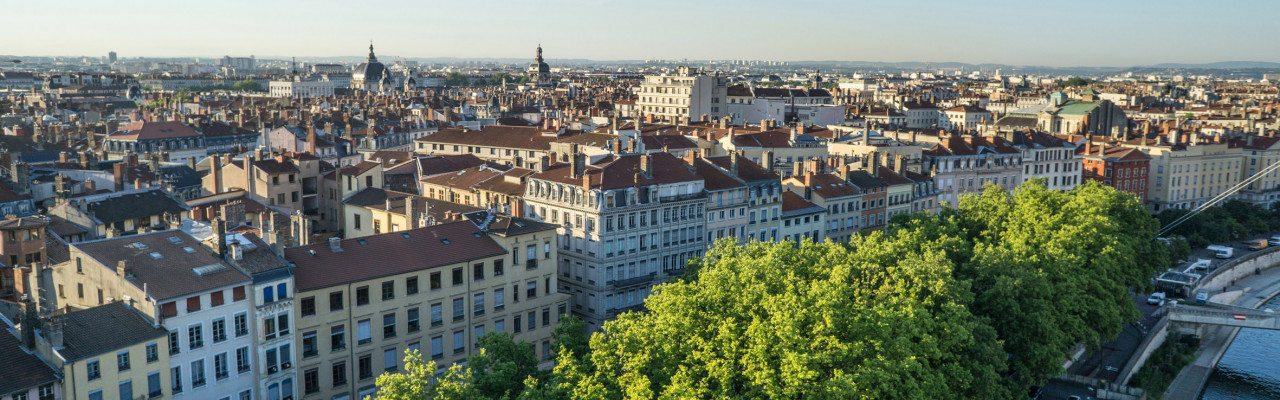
<point>1274,240</point>
<point>1200,265</point>
<point>1222,251</point>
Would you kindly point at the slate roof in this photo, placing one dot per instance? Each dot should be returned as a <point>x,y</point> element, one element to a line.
<point>22,370</point>
<point>619,171</point>
<point>515,137</point>
<point>377,256</point>
<point>793,205</point>
<point>143,130</point>
<point>432,165</point>
<point>376,198</point>
<point>174,273</point>
<point>134,206</point>
<point>105,329</point>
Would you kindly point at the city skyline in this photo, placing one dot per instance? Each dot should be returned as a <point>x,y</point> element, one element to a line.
<point>1117,35</point>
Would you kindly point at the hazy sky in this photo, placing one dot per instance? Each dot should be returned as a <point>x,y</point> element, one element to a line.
<point>1061,33</point>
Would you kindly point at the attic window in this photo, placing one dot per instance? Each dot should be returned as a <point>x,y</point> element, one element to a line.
<point>188,249</point>
<point>175,239</point>
<point>156,255</point>
<point>444,240</point>
<point>405,234</point>
<point>139,245</point>
<point>362,242</point>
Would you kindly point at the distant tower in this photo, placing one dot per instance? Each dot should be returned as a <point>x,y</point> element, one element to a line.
<point>111,57</point>
<point>539,72</point>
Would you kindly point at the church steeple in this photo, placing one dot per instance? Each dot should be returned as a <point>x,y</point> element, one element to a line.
<point>371,56</point>
<point>539,58</point>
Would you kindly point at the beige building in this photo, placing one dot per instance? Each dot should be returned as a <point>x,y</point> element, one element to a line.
<point>684,96</point>
<point>364,301</point>
<point>109,352</point>
<point>1186,172</point>
<point>1259,152</point>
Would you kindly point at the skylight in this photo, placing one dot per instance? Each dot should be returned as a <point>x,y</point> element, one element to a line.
<point>209,269</point>
<point>175,239</point>
<point>138,245</point>
<point>156,255</point>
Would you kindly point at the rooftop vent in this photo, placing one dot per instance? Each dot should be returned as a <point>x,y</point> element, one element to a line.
<point>209,269</point>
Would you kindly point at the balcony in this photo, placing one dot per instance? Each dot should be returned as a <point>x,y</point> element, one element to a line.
<point>639,280</point>
<point>680,197</point>
<point>613,312</point>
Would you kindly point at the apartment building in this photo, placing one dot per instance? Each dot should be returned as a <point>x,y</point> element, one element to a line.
<point>1185,172</point>
<point>726,201</point>
<point>288,183</point>
<point>874,192</point>
<point>684,96</point>
<point>274,337</point>
<point>801,219</point>
<point>361,301</point>
<point>963,117</point>
<point>1122,168</point>
<point>1259,152</point>
<point>1048,159</point>
<point>109,352</point>
<point>838,197</point>
<point>520,146</point>
<point>627,223</point>
<point>21,248</point>
<point>963,164</point>
<point>763,211</point>
<point>375,211</point>
<point>201,300</point>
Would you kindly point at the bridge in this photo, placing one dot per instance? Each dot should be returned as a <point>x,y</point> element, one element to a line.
<point>1224,315</point>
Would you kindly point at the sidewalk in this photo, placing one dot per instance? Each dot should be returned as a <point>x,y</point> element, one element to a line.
<point>1188,384</point>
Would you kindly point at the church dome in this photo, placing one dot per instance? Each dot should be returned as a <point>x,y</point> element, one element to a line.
<point>371,70</point>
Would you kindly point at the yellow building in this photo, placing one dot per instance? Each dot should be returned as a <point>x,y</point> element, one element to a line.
<point>364,301</point>
<point>110,352</point>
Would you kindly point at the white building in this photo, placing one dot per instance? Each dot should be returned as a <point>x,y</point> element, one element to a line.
<point>312,86</point>
<point>685,96</point>
<point>964,117</point>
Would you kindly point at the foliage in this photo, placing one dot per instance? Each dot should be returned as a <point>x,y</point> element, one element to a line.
<point>1179,249</point>
<point>1164,364</point>
<point>418,382</point>
<point>1231,221</point>
<point>456,79</point>
<point>1073,82</point>
<point>248,85</point>
<point>978,301</point>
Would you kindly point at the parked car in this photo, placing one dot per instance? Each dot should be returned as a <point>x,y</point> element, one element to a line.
<point>1202,296</point>
<point>1156,298</point>
<point>1255,245</point>
<point>1274,240</point>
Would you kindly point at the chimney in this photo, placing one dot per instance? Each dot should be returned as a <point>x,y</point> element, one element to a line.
<point>797,169</point>
<point>237,253</point>
<point>220,236</point>
<point>64,157</point>
<point>646,165</point>
<point>117,172</point>
<point>410,213</point>
<point>544,163</point>
<point>768,160</point>
<point>579,164</point>
<point>764,125</point>
<point>123,269</point>
<point>335,244</point>
<point>733,163</point>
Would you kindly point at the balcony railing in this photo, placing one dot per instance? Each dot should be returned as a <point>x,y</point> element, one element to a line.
<point>634,281</point>
<point>613,312</point>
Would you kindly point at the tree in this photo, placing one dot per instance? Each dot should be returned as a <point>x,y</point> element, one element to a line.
<point>419,382</point>
<point>872,319</point>
<point>571,336</point>
<point>502,365</point>
<point>1075,82</point>
<point>455,79</point>
<point>248,85</point>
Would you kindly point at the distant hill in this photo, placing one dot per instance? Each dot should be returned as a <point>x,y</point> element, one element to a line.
<point>1219,65</point>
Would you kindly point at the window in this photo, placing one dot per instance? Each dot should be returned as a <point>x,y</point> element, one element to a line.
<point>478,304</point>
<point>95,395</point>
<point>363,333</point>
<point>335,301</point>
<point>437,315</point>
<point>389,325</point>
<point>309,346</point>
<point>193,303</point>
<point>362,295</point>
<point>533,320</point>
<point>437,347</point>
<point>215,299</point>
<point>269,328</point>
<point>339,373</point>
<point>174,344</point>
<point>311,381</point>
<point>546,316</point>
<point>477,271</point>
<point>126,389</point>
<point>389,360</point>
<point>308,306</point>
<point>411,285</point>
<point>516,322</point>
<point>457,276</point>
<point>219,330</point>
<point>195,337</point>
<point>153,352</point>
<point>435,280</point>
<point>364,366</point>
<point>500,326</point>
<point>197,373</point>
<point>458,313</point>
<point>388,290</point>
<point>411,319</point>
<point>94,369</point>
<point>498,300</point>
<point>531,289</point>
<point>242,324</point>
<point>220,368</point>
<point>268,294</point>
<point>459,342</point>
<point>282,323</point>
<point>337,338</point>
<point>175,374</point>
<point>478,332</point>
<point>242,360</point>
<point>497,267</point>
<point>153,385</point>
<point>122,361</point>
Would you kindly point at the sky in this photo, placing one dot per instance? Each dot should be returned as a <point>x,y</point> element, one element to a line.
<point>1116,33</point>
